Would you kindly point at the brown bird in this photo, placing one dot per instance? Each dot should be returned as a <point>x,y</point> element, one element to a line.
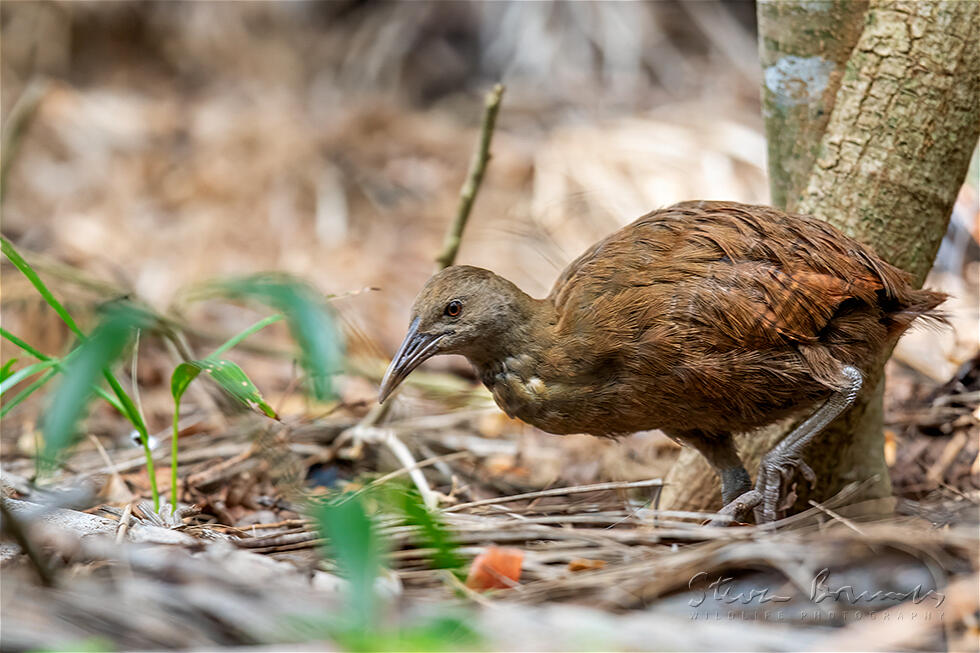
<point>702,319</point>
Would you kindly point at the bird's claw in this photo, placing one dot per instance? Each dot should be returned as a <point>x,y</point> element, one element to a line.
<point>774,474</point>
<point>806,472</point>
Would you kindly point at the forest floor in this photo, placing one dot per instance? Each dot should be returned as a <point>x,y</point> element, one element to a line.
<point>601,567</point>
<point>145,190</point>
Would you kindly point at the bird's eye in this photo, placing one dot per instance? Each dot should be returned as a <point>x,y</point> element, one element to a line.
<point>454,308</point>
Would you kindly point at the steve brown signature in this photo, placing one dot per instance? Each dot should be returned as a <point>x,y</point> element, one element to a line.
<point>722,589</point>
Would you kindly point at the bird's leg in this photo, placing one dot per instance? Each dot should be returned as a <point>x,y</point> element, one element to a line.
<point>719,450</point>
<point>778,465</point>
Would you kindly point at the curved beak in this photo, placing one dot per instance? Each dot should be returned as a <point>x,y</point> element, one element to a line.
<point>414,350</point>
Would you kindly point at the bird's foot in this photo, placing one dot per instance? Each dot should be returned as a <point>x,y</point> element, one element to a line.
<point>738,509</point>
<point>775,472</point>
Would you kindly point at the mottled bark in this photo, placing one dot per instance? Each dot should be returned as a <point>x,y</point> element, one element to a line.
<point>804,46</point>
<point>906,120</point>
<point>889,163</point>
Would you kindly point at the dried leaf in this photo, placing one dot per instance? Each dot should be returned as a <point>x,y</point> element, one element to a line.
<point>585,564</point>
<point>495,568</point>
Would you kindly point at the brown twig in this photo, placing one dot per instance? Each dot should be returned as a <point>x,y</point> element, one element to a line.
<point>16,125</point>
<point>559,491</point>
<point>450,247</point>
<point>842,519</point>
<point>407,470</point>
<point>124,522</point>
<point>467,194</point>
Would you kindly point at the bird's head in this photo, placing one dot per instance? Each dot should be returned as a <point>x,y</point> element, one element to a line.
<point>460,310</point>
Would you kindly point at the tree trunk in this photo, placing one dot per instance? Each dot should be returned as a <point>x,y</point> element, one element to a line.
<point>885,168</point>
<point>803,48</point>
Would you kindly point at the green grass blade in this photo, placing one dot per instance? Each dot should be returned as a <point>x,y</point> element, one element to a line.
<point>121,402</point>
<point>310,322</point>
<point>90,360</point>
<point>25,373</point>
<point>125,404</point>
<point>28,271</point>
<point>234,340</point>
<point>62,420</point>
<point>23,345</point>
<point>60,367</point>
<point>7,369</point>
<point>26,392</point>
<point>112,400</point>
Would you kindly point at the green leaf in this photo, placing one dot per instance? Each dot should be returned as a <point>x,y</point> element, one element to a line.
<point>432,533</point>
<point>26,392</point>
<point>234,340</point>
<point>181,378</point>
<point>127,410</point>
<point>122,401</point>
<point>229,376</point>
<point>309,318</point>
<point>16,377</point>
<point>23,345</point>
<point>28,271</point>
<point>354,543</point>
<point>7,369</point>
<point>125,404</point>
<point>89,361</point>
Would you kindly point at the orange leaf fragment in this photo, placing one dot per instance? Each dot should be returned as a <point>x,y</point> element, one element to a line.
<point>585,564</point>
<point>495,568</point>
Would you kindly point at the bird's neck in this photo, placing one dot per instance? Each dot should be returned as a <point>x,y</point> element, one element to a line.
<point>527,330</point>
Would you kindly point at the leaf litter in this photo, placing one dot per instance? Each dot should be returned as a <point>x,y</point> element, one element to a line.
<point>244,559</point>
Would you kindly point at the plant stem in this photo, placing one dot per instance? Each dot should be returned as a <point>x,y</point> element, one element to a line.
<point>150,468</point>
<point>450,247</point>
<point>478,165</point>
<point>173,457</point>
<point>129,410</point>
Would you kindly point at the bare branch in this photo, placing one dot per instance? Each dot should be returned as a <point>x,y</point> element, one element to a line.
<point>467,194</point>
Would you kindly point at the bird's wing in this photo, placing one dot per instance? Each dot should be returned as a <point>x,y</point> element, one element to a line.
<point>741,276</point>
